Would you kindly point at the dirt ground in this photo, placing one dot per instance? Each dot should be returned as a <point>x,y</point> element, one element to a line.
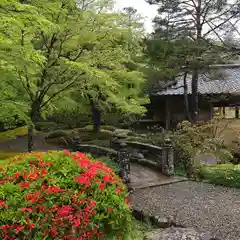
<point>20,144</point>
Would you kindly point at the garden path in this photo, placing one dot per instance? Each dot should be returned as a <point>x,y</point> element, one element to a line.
<point>20,144</point>
<point>204,207</point>
<point>142,177</point>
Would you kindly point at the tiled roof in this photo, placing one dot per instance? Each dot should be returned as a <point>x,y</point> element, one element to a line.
<point>221,79</point>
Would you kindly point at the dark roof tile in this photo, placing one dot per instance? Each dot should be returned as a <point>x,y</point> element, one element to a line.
<point>222,80</point>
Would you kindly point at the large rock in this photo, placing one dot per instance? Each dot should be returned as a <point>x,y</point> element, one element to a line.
<point>177,234</point>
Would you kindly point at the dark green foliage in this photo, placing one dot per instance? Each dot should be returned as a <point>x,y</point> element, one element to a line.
<point>57,134</point>
<point>108,127</point>
<point>90,135</point>
<point>97,142</point>
<point>191,141</point>
<point>71,117</point>
<point>47,126</point>
<point>9,122</point>
<point>223,174</point>
<point>65,137</point>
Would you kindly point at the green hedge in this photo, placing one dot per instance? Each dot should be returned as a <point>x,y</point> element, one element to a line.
<point>223,174</point>
<point>56,134</point>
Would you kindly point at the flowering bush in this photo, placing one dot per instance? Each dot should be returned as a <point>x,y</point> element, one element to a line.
<point>61,195</point>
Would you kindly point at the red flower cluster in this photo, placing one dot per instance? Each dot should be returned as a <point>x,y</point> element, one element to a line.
<point>54,211</point>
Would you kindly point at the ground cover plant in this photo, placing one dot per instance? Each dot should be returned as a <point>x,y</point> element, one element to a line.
<point>61,195</point>
<point>222,174</point>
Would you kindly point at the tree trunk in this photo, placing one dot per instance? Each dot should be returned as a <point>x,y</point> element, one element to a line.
<point>96,118</point>
<point>185,87</point>
<point>194,95</point>
<point>35,110</point>
<point>30,137</point>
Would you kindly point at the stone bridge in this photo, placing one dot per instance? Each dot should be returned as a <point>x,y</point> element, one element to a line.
<point>141,165</point>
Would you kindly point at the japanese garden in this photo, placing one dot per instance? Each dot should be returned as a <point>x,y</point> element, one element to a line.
<point>110,132</point>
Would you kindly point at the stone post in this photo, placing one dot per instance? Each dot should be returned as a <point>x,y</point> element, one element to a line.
<point>168,158</point>
<point>124,162</point>
<point>114,142</point>
<point>76,141</point>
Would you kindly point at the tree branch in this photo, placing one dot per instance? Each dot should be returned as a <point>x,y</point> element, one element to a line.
<point>220,24</point>
<point>60,91</point>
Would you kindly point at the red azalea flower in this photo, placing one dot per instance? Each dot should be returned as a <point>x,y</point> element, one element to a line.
<point>2,182</point>
<point>66,152</point>
<point>24,210</point>
<point>84,163</point>
<point>118,190</point>
<point>19,228</point>
<point>31,225</point>
<point>110,209</point>
<point>3,204</point>
<point>101,186</point>
<point>53,233</point>
<point>16,175</point>
<point>24,185</point>
<point>65,210</point>
<point>83,180</point>
<point>108,179</point>
<point>54,189</point>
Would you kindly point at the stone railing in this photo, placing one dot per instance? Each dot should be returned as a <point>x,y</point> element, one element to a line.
<point>97,151</point>
<point>124,152</point>
<point>161,158</point>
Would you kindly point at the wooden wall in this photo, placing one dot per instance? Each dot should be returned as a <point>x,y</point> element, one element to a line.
<point>176,109</point>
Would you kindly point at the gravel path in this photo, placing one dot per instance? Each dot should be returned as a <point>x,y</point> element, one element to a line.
<point>206,207</point>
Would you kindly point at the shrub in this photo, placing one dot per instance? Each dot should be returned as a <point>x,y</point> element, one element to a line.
<point>56,134</point>
<point>87,135</point>
<point>102,143</point>
<point>88,127</point>
<point>221,174</point>
<point>192,140</point>
<point>60,141</point>
<point>109,128</point>
<point>71,117</point>
<point>61,195</point>
<point>46,126</point>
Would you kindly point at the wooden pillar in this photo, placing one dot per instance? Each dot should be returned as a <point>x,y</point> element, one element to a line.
<point>224,112</point>
<point>237,112</point>
<point>167,113</point>
<point>211,111</point>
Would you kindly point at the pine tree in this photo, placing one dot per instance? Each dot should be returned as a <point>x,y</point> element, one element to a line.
<point>198,21</point>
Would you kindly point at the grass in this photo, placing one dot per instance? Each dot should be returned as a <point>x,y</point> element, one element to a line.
<point>138,231</point>
<point>8,154</point>
<point>223,174</point>
<point>13,134</point>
